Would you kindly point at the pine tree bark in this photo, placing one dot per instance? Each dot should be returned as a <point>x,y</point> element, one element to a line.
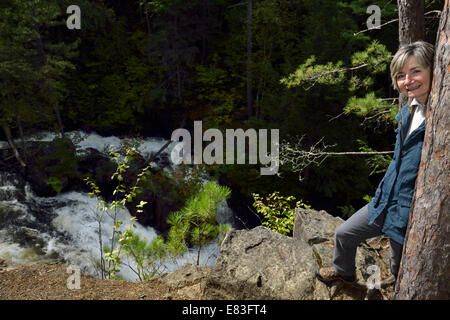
<point>410,27</point>
<point>411,21</point>
<point>425,266</point>
<point>249,59</point>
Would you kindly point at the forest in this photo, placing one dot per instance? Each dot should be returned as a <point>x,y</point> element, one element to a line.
<point>318,71</point>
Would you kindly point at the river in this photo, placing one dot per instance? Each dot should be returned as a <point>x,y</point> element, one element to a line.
<point>64,227</point>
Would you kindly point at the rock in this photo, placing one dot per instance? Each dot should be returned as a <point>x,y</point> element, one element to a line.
<point>50,159</point>
<point>12,186</point>
<point>100,167</point>
<point>318,227</point>
<point>187,281</point>
<point>315,226</point>
<point>9,212</point>
<point>29,238</point>
<point>262,264</point>
<point>185,275</point>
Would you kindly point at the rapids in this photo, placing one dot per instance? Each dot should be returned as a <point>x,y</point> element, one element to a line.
<point>65,228</point>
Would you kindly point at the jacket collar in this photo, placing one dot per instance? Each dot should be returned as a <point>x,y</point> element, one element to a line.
<point>414,104</point>
<point>403,118</point>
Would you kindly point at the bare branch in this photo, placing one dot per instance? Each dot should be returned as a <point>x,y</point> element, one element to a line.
<point>338,116</point>
<point>237,5</point>
<point>295,155</point>
<point>386,23</point>
<point>375,116</point>
<point>438,13</point>
<point>360,153</point>
<point>299,159</point>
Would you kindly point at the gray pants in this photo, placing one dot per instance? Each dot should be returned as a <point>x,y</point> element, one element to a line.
<point>351,233</point>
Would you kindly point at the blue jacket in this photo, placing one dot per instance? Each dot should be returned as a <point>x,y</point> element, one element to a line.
<point>395,191</point>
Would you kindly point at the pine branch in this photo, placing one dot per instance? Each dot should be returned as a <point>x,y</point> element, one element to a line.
<point>325,73</point>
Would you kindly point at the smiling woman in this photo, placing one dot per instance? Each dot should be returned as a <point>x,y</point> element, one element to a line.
<point>415,80</point>
<point>388,211</point>
<point>411,70</point>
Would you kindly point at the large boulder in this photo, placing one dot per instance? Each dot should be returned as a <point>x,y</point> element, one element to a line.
<point>47,160</point>
<point>262,264</point>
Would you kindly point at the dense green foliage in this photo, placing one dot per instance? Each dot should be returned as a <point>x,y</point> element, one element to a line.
<point>278,211</point>
<point>142,67</point>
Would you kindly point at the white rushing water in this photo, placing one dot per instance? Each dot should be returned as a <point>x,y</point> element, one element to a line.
<point>145,146</point>
<point>72,232</point>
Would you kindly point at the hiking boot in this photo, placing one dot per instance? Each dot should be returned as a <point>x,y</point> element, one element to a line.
<point>390,281</point>
<point>328,275</point>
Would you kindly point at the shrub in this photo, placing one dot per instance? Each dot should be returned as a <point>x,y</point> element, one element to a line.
<point>278,211</point>
<point>195,223</point>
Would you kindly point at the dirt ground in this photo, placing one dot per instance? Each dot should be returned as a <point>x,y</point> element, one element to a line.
<point>53,281</point>
<point>44,281</point>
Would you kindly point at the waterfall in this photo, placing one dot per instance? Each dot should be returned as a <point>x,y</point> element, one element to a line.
<point>65,227</point>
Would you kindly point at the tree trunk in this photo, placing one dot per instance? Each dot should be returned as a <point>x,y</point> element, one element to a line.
<point>249,58</point>
<point>411,21</point>
<point>11,143</point>
<point>22,136</point>
<point>58,119</point>
<point>425,266</point>
<point>410,26</point>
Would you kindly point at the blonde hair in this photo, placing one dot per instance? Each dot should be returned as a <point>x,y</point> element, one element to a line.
<point>422,51</point>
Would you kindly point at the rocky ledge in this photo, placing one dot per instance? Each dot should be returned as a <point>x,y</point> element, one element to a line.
<point>261,264</point>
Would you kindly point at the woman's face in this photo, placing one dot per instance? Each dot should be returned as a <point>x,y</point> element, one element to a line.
<point>414,81</point>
